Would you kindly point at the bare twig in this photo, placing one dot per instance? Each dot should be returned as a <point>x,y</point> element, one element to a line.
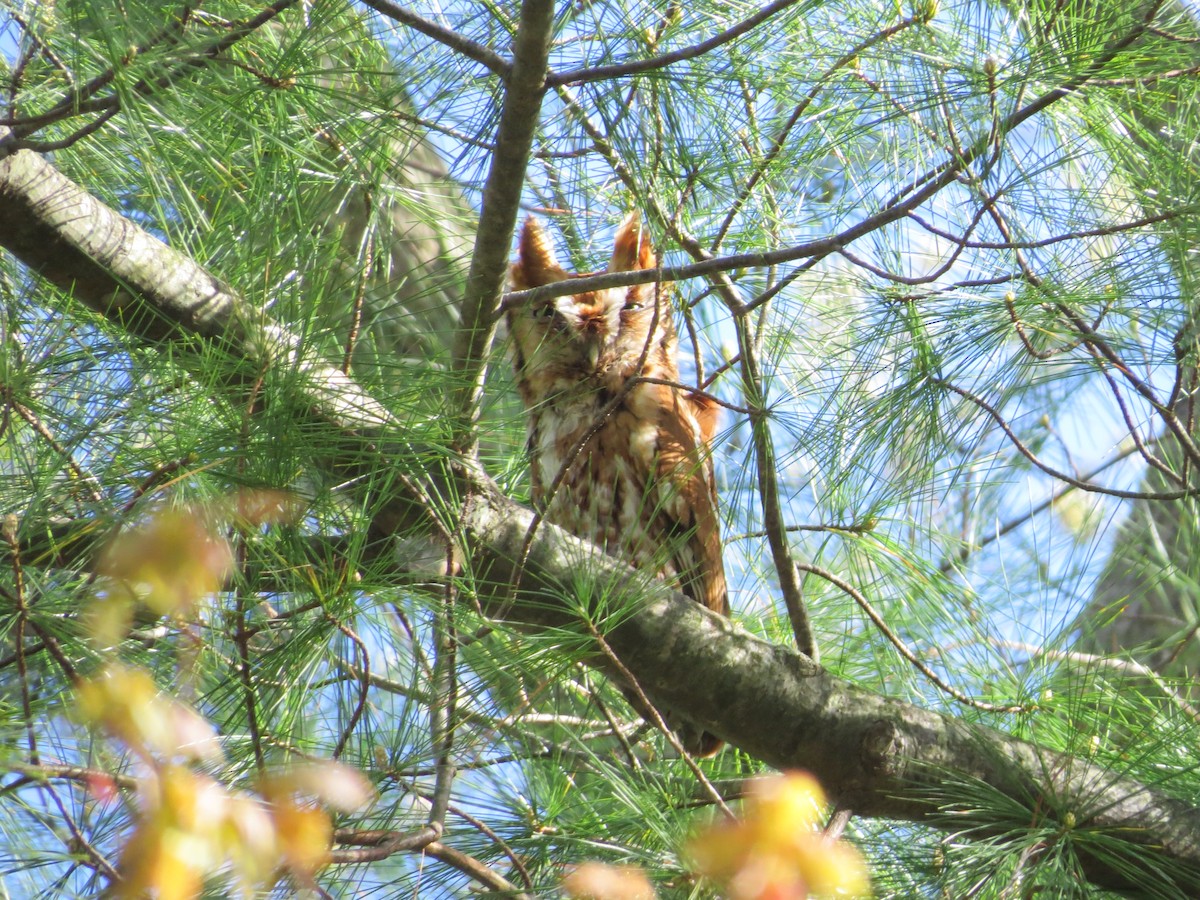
<point>84,479</point>
<point>459,43</point>
<point>1046,504</point>
<point>469,865</point>
<point>364,682</point>
<point>1050,470</point>
<point>9,529</point>
<point>902,648</point>
<point>648,709</point>
<point>636,67</point>
<point>781,136</point>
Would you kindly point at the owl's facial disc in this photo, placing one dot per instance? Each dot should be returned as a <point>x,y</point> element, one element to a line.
<point>592,322</point>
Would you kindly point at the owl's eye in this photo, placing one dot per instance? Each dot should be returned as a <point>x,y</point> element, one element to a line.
<point>543,312</point>
<point>631,305</point>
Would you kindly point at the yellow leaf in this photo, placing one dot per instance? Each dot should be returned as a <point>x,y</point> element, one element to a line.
<point>305,834</point>
<point>598,881</point>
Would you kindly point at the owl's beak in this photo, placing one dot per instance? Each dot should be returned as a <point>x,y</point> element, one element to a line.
<point>591,348</point>
<point>593,340</point>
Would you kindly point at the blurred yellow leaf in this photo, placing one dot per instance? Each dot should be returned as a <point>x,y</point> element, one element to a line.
<point>128,704</point>
<point>170,561</point>
<point>599,881</point>
<point>334,784</point>
<point>776,852</point>
<point>305,835</point>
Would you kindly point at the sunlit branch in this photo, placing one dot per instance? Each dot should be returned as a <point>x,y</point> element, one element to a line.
<point>1050,470</point>
<point>459,43</point>
<point>1145,80</point>
<point>636,67</point>
<point>472,867</point>
<point>443,710</point>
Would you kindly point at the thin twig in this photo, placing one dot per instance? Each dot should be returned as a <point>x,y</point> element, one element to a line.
<point>902,648</point>
<point>482,827</point>
<point>459,43</point>
<point>84,99</point>
<point>1046,504</point>
<point>781,136</point>
<point>636,67</point>
<point>85,479</point>
<point>1050,470</point>
<point>364,684</point>
<point>656,718</point>
<point>9,528</point>
<point>443,711</point>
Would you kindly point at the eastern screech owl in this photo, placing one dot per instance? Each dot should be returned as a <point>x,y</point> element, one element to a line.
<point>642,486</point>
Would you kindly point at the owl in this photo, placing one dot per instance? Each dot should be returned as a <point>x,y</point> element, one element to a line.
<point>633,455</point>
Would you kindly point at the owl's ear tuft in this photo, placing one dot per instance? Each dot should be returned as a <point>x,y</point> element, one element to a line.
<point>536,264</point>
<point>632,248</point>
<point>707,413</point>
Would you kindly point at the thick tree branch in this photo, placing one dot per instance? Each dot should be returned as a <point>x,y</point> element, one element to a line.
<point>149,289</point>
<point>519,117</point>
<point>879,756</point>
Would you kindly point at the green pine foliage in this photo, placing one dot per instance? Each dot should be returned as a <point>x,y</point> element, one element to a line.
<point>964,313</point>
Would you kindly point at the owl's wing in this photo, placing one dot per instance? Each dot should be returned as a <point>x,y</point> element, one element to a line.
<point>688,496</point>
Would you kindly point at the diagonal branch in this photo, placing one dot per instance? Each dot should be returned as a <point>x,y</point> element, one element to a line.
<point>459,43</point>
<point>636,67</point>
<point>71,105</point>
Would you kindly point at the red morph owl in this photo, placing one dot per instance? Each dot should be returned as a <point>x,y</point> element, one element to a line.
<point>642,486</point>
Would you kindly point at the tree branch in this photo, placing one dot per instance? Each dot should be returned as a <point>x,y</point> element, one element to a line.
<point>484,55</point>
<point>519,117</point>
<point>636,67</point>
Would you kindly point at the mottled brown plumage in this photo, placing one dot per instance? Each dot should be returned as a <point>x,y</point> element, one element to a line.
<point>641,487</point>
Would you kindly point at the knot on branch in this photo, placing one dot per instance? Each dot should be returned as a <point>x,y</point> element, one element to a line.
<point>882,748</point>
